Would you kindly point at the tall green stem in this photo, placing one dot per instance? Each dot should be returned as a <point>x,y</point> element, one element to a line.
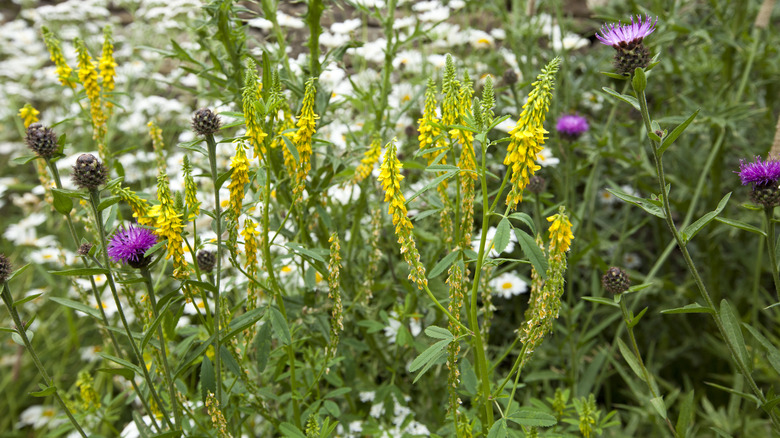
<point>167,369</point>
<point>212,148</point>
<point>770,244</point>
<point>20,330</point>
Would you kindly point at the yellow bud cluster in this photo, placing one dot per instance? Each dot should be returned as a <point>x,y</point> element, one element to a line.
<point>334,293</point>
<point>249,233</point>
<point>158,145</point>
<point>217,418</point>
<point>250,100</point>
<point>238,179</point>
<point>88,77</point>
<point>286,128</point>
<point>390,177</point>
<point>63,69</point>
<point>368,162</point>
<point>29,115</point>
<point>527,137</point>
<point>560,232</point>
<point>139,206</point>
<point>303,137</point>
<point>190,191</point>
<point>429,137</point>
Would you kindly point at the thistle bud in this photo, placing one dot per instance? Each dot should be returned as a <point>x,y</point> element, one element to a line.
<point>206,260</point>
<point>205,122</point>
<point>84,249</point>
<point>42,140</point>
<point>537,184</point>
<point>89,173</point>
<point>615,280</point>
<point>5,268</point>
<point>510,76</point>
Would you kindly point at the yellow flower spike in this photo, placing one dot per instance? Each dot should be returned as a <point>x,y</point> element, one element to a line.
<point>139,206</point>
<point>88,77</point>
<point>368,162</point>
<point>250,100</point>
<point>63,70</point>
<point>107,64</point>
<point>560,232</point>
<point>168,225</point>
<point>29,115</point>
<point>334,293</point>
<point>527,137</point>
<point>158,145</point>
<point>390,177</point>
<point>427,128</point>
<point>250,233</point>
<point>303,137</point>
<point>238,179</point>
<point>190,190</point>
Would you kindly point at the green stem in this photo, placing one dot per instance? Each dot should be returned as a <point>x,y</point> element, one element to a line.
<point>20,330</point>
<point>743,368</point>
<point>645,374</point>
<point>166,368</point>
<point>58,183</point>
<point>94,197</point>
<point>770,244</point>
<point>212,148</point>
<point>315,29</point>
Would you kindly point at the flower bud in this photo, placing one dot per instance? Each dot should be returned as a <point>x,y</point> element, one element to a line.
<point>206,260</point>
<point>42,140</point>
<point>615,280</point>
<point>205,122</point>
<point>89,173</point>
<point>5,268</point>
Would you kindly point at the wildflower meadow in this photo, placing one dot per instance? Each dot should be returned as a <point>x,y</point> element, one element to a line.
<point>389,218</point>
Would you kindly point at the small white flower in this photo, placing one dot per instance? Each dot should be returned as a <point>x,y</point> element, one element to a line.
<point>377,410</point>
<point>607,198</point>
<point>546,158</point>
<point>631,260</point>
<point>345,27</point>
<point>39,416</point>
<point>391,329</point>
<point>508,285</point>
<point>491,234</point>
<point>367,396</point>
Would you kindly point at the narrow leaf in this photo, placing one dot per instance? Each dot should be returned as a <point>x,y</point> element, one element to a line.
<point>600,300</point>
<point>263,346</point>
<point>45,392</point>
<point>207,379</point>
<point>434,183</point>
<point>91,311</point>
<point>304,251</point>
<point>734,331</point>
<point>687,412</point>
<point>438,332</point>
<point>243,322</point>
<point>80,271</point>
<point>644,204</point>
<point>632,361</point>
<point>290,431</point>
<point>280,326</point>
<point>443,265</point>
<point>691,230</point>
<point>669,139</point>
<point>690,308</point>
<point>660,407</point>
<point>631,100</point>
<point>532,418</point>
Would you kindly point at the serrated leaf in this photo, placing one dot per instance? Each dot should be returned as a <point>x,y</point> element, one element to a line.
<point>533,252</point>
<point>501,239</point>
<point>660,407</point>
<point>741,225</point>
<point>45,392</point>
<point>427,358</point>
<point>532,418</point>
<point>62,203</point>
<point>669,139</point>
<point>443,265</point>
<point>733,331</point>
<point>524,218</point>
<point>644,204</point>
<point>631,100</point>
<point>263,346</point>
<point>280,326</point>
<point>691,230</point>
<point>601,300</point>
<point>207,379</point>
<point>438,332</point>
<point>690,308</point>
<point>632,361</point>
<point>498,430</point>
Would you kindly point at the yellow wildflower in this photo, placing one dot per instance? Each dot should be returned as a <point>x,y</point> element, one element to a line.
<point>29,115</point>
<point>527,137</point>
<point>239,177</point>
<point>303,137</point>
<point>168,224</point>
<point>190,190</point>
<point>250,100</point>
<point>139,206</point>
<point>390,177</point>
<point>560,232</point>
<point>429,137</point>
<point>89,79</point>
<point>370,159</point>
<point>107,65</point>
<point>63,70</point>
<point>157,144</point>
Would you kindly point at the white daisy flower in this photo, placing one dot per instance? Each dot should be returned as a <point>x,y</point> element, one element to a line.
<point>508,285</point>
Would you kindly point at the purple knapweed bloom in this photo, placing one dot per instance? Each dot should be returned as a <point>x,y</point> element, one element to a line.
<point>627,40</point>
<point>764,176</point>
<point>572,126</point>
<point>129,245</point>
<point>618,34</point>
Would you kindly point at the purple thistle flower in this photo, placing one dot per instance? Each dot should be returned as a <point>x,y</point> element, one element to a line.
<point>572,125</point>
<point>618,34</point>
<point>759,172</point>
<point>129,245</point>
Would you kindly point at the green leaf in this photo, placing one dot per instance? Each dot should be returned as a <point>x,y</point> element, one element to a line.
<point>156,323</point>
<point>615,75</point>
<point>631,100</point>
<point>770,404</point>
<point>533,252</point>
<point>749,397</point>
<point>26,299</point>
<point>772,353</point>
<point>124,372</point>
<point>80,271</point>
<point>632,361</point>
<point>280,326</point>
<point>202,285</point>
<point>524,218</point>
<point>691,230</point>
<point>18,272</point>
<point>635,320</point>
<point>498,430</point>
<point>291,148</point>
<point>207,379</point>
<point>669,139</point>
<point>222,178</point>
<point>532,418</point>
<point>290,431</point>
<point>601,300</point>
<point>193,146</point>
<point>108,202</point>
<point>687,413</point>
<point>91,311</point>
<point>132,367</point>
<point>263,346</point>
<point>243,322</point>
<point>438,332</point>
<point>428,358</point>
<point>741,225</point>
<point>442,168</point>
<point>169,434</point>
<point>304,251</point>
<point>660,407</point>
<point>639,81</point>
<point>733,331</point>
<point>646,204</point>
<point>690,308</point>
<point>501,239</point>
<point>443,265</point>
<point>434,183</point>
<point>45,392</point>
<point>62,202</point>
<point>24,159</point>
<point>194,355</point>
